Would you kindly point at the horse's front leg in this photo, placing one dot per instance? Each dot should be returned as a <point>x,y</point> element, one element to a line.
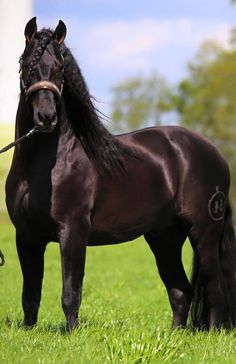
<point>31,256</point>
<point>73,240</point>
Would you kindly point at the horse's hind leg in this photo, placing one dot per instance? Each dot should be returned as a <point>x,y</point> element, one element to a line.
<point>31,256</point>
<point>167,249</point>
<point>208,297</point>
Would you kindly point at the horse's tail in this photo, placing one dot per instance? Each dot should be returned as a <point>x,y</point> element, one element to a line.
<point>227,258</point>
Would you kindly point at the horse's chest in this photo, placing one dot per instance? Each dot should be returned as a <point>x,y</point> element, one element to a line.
<point>33,202</point>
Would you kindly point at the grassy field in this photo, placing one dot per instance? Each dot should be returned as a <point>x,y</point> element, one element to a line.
<point>124,318</point>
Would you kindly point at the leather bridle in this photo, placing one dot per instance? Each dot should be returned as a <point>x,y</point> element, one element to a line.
<point>44,85</point>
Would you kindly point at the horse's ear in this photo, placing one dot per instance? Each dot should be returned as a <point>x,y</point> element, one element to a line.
<point>60,32</point>
<point>30,29</point>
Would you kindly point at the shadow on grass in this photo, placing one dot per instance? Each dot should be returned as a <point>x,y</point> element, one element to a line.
<point>62,329</point>
<point>192,330</point>
<point>85,324</point>
<point>48,327</point>
<point>12,323</point>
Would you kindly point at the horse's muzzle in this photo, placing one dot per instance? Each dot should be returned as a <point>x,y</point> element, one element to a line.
<point>45,123</point>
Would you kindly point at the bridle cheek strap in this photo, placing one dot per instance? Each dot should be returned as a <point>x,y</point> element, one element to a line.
<point>44,85</point>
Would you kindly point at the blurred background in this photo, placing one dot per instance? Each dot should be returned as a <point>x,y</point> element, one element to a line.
<point>146,63</point>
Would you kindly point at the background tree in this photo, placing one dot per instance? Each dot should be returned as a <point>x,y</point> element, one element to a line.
<point>140,101</point>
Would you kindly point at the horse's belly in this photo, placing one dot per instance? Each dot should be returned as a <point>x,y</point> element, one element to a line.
<point>116,235</point>
<point>108,238</point>
<point>118,228</point>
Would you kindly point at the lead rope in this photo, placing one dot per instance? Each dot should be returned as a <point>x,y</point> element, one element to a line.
<point>17,141</point>
<point>7,147</point>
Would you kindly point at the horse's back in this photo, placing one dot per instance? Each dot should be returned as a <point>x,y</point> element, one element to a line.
<point>187,148</point>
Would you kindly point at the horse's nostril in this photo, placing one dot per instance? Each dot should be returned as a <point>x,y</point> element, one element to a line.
<point>46,120</point>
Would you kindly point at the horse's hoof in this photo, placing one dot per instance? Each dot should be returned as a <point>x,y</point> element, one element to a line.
<point>71,325</point>
<point>28,326</point>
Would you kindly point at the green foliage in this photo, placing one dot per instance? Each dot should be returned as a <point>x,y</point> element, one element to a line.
<point>206,99</point>
<point>125,315</point>
<point>140,101</point>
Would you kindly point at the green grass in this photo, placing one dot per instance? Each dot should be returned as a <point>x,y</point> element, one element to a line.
<point>124,318</point>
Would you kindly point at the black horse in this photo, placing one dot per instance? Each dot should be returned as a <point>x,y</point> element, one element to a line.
<point>76,184</point>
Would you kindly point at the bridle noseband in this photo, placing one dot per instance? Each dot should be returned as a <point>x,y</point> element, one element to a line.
<point>44,85</point>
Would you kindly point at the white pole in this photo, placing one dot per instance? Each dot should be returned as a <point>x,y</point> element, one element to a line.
<point>13,17</point>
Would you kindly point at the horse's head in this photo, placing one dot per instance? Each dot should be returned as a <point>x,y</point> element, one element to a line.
<point>42,67</point>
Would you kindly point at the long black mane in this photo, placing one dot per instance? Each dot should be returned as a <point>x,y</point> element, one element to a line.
<point>100,145</point>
